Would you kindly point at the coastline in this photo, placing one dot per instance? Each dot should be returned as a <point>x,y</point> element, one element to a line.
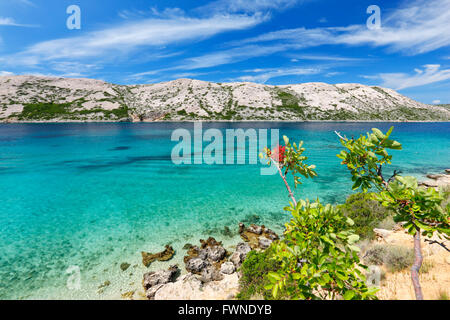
<point>131,206</point>
<point>227,121</point>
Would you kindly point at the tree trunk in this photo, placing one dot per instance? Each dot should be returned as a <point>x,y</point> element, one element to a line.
<point>416,266</point>
<point>291,194</point>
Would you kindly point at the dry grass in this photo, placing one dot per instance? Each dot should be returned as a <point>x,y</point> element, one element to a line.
<point>434,275</point>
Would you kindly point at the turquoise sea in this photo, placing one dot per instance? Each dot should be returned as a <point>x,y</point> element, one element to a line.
<point>94,196</point>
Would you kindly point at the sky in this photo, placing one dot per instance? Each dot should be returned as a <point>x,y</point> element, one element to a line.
<point>264,41</point>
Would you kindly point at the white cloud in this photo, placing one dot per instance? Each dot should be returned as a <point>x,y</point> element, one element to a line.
<point>266,74</point>
<point>333,74</point>
<point>324,58</point>
<point>420,27</point>
<point>6,73</point>
<point>436,101</point>
<point>118,42</point>
<point>247,6</point>
<point>230,56</point>
<point>27,2</point>
<point>215,59</point>
<point>431,73</point>
<point>7,21</point>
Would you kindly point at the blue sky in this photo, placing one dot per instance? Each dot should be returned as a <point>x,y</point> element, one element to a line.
<point>264,41</point>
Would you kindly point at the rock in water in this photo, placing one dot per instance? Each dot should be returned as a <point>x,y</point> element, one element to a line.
<point>148,258</point>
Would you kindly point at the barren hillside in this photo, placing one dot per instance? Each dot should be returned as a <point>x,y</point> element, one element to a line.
<point>48,99</point>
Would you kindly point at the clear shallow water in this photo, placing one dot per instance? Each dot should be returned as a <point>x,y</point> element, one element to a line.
<point>96,195</point>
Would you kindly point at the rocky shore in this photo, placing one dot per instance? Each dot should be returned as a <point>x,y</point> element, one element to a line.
<point>212,271</point>
<point>437,180</point>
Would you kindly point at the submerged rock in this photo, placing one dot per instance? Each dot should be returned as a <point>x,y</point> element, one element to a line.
<point>227,232</point>
<point>105,284</point>
<point>128,295</point>
<point>148,258</point>
<point>124,266</point>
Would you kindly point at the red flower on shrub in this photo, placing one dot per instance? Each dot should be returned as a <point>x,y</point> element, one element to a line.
<point>278,154</point>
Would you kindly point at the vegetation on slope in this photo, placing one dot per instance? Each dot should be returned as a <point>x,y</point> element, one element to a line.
<point>49,111</point>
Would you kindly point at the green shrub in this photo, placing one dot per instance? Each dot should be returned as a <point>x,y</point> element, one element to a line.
<point>399,258</point>
<point>376,255</point>
<point>44,110</point>
<point>254,271</point>
<point>395,258</point>
<point>318,256</point>
<point>366,213</point>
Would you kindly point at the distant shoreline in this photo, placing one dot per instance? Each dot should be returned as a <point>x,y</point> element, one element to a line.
<point>227,121</point>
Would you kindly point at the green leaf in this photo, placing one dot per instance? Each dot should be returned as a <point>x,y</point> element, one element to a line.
<point>353,239</point>
<point>350,222</point>
<point>378,133</point>
<point>275,291</point>
<point>349,295</point>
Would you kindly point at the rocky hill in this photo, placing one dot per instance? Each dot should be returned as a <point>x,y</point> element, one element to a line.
<point>49,99</point>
